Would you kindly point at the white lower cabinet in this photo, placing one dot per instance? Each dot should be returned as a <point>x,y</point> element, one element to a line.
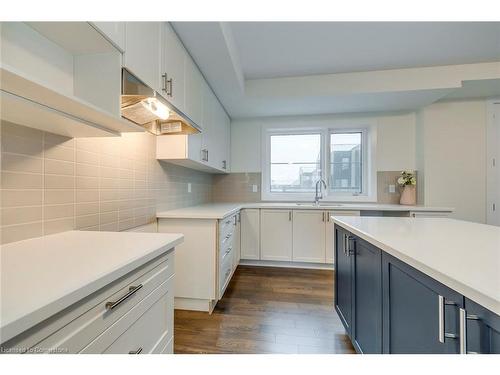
<point>250,234</point>
<point>309,228</point>
<point>205,261</point>
<point>133,314</point>
<point>237,240</point>
<point>276,235</point>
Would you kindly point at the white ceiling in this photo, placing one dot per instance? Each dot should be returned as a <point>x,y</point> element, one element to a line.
<point>299,68</point>
<point>283,49</point>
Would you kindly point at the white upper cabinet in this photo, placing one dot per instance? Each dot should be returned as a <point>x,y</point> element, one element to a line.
<point>173,68</point>
<point>143,52</point>
<point>61,77</point>
<point>193,95</point>
<point>113,31</point>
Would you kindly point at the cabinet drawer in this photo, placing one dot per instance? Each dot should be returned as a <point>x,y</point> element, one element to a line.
<point>225,251</point>
<point>225,270</point>
<point>144,328</point>
<point>73,337</point>
<point>225,239</point>
<point>226,225</point>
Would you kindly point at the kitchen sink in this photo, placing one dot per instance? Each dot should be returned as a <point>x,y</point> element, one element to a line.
<point>321,204</point>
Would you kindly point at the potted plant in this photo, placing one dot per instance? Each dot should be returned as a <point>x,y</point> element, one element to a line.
<point>408,183</point>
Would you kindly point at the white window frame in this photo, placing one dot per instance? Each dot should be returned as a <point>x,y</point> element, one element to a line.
<point>369,141</point>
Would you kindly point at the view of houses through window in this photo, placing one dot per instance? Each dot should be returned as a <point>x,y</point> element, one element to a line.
<point>296,162</point>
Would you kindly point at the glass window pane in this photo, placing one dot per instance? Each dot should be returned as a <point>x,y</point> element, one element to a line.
<point>295,148</point>
<point>346,162</point>
<point>295,163</point>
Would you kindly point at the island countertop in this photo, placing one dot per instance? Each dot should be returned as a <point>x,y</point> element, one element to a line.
<point>462,255</point>
<point>42,276</point>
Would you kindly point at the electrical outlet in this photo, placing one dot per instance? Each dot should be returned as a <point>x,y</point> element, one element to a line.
<point>189,187</point>
<point>392,188</point>
<point>254,189</point>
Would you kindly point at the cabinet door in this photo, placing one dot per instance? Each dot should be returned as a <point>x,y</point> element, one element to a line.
<point>173,67</point>
<point>218,149</point>
<point>236,240</point>
<point>143,51</point>
<point>309,236</point>
<point>193,94</point>
<point>227,138</point>
<point>483,329</point>
<point>420,315</point>
<point>276,235</point>
<point>330,238</point>
<point>113,31</point>
<point>250,234</point>
<point>206,137</point>
<point>367,311</point>
<point>343,279</point>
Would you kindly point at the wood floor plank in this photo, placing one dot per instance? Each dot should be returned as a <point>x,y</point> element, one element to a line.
<point>267,310</point>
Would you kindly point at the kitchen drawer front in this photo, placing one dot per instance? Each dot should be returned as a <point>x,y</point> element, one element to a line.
<point>53,329</point>
<point>76,335</point>
<point>226,239</point>
<point>225,249</point>
<point>226,224</point>
<point>225,270</point>
<point>144,328</point>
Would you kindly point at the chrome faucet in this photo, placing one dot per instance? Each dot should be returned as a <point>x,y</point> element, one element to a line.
<point>319,192</point>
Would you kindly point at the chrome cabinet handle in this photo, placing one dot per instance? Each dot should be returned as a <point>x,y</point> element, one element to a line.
<point>171,86</point>
<point>345,244</point>
<point>289,215</point>
<point>463,331</point>
<point>441,318</point>
<point>348,242</point>
<point>223,164</point>
<point>323,217</point>
<point>138,351</point>
<point>165,82</point>
<point>131,291</point>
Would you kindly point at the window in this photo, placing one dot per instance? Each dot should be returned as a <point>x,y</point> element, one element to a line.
<point>346,165</point>
<point>295,162</point>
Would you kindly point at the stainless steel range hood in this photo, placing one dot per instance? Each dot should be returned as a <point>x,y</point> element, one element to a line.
<point>143,106</point>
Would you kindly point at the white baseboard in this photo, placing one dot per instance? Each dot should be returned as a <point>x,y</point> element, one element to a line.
<point>270,263</point>
<point>193,304</point>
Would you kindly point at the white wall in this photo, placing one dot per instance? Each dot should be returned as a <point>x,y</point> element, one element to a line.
<point>395,138</point>
<point>451,143</point>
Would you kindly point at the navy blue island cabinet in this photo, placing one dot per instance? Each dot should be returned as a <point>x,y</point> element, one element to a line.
<point>358,291</point>
<point>387,306</point>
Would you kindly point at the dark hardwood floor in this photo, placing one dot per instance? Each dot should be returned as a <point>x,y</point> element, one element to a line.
<point>267,310</point>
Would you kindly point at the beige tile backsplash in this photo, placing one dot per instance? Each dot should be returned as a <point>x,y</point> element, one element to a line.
<point>237,187</point>
<point>51,183</point>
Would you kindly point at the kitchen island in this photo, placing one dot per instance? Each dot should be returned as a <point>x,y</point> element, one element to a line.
<point>89,292</point>
<point>425,285</point>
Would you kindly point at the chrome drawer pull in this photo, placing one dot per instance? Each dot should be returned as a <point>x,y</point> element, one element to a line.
<point>463,331</point>
<point>138,351</point>
<point>131,291</point>
<point>441,318</point>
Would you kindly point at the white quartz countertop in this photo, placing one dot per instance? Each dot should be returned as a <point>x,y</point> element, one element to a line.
<point>221,210</point>
<point>42,276</point>
<point>462,255</point>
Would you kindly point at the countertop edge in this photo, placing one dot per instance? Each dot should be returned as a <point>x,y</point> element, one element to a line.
<point>31,319</point>
<point>178,214</point>
<point>473,294</point>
